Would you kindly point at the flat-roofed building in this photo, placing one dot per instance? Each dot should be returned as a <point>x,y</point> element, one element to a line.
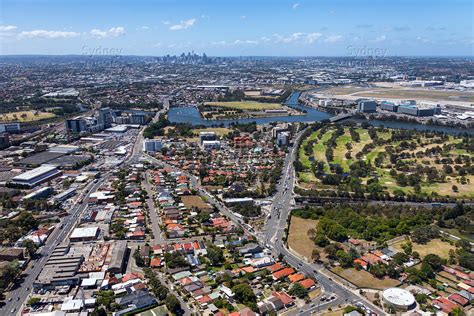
<point>84,234</point>
<point>36,176</point>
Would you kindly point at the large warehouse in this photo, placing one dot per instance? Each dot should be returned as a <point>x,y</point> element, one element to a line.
<point>398,298</point>
<point>36,176</point>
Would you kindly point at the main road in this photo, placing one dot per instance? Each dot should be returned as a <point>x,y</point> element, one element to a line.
<point>274,233</point>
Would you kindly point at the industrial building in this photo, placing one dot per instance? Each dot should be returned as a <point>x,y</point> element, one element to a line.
<point>63,196</point>
<point>118,255</point>
<point>366,106</point>
<point>60,269</point>
<point>9,128</point>
<point>36,176</point>
<point>42,193</point>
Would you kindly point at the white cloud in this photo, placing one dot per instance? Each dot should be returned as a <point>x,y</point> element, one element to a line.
<point>183,25</point>
<point>48,34</point>
<point>313,37</point>
<point>422,39</point>
<point>243,17</point>
<point>380,38</point>
<point>7,31</point>
<point>295,6</point>
<point>112,32</point>
<point>333,38</point>
<point>288,39</point>
<point>166,22</point>
<point>235,43</point>
<point>145,27</point>
<point>7,28</point>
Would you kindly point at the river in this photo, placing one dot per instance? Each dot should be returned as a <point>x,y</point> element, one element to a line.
<point>191,115</point>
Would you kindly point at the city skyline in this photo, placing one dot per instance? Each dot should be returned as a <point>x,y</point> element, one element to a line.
<point>238,28</point>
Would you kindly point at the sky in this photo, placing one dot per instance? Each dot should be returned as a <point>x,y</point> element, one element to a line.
<point>238,27</point>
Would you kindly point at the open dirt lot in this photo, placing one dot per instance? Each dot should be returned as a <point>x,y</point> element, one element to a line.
<point>190,201</point>
<point>298,238</point>
<point>364,279</point>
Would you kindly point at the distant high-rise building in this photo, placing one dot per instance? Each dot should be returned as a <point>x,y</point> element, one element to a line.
<point>76,125</point>
<point>152,145</point>
<point>105,117</point>
<point>207,136</point>
<point>138,118</point>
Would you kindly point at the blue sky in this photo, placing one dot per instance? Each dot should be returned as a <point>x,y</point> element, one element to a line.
<point>238,27</point>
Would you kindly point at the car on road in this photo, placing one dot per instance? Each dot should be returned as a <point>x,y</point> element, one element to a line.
<point>13,310</point>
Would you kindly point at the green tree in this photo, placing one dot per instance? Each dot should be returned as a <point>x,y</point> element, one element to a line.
<point>298,290</point>
<point>244,293</point>
<point>173,304</point>
<point>215,255</point>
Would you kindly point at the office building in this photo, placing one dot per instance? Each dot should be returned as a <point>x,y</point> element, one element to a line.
<point>36,176</point>
<point>367,106</point>
<point>105,117</point>
<point>138,118</point>
<point>76,125</point>
<point>283,139</point>
<point>152,145</point>
<point>408,109</point>
<point>426,112</point>
<point>389,106</point>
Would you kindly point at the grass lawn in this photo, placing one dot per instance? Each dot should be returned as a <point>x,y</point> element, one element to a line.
<point>157,311</point>
<point>298,239</point>
<point>435,246</point>
<point>25,116</point>
<point>246,105</point>
<point>364,279</point>
<point>220,131</point>
<point>341,150</point>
